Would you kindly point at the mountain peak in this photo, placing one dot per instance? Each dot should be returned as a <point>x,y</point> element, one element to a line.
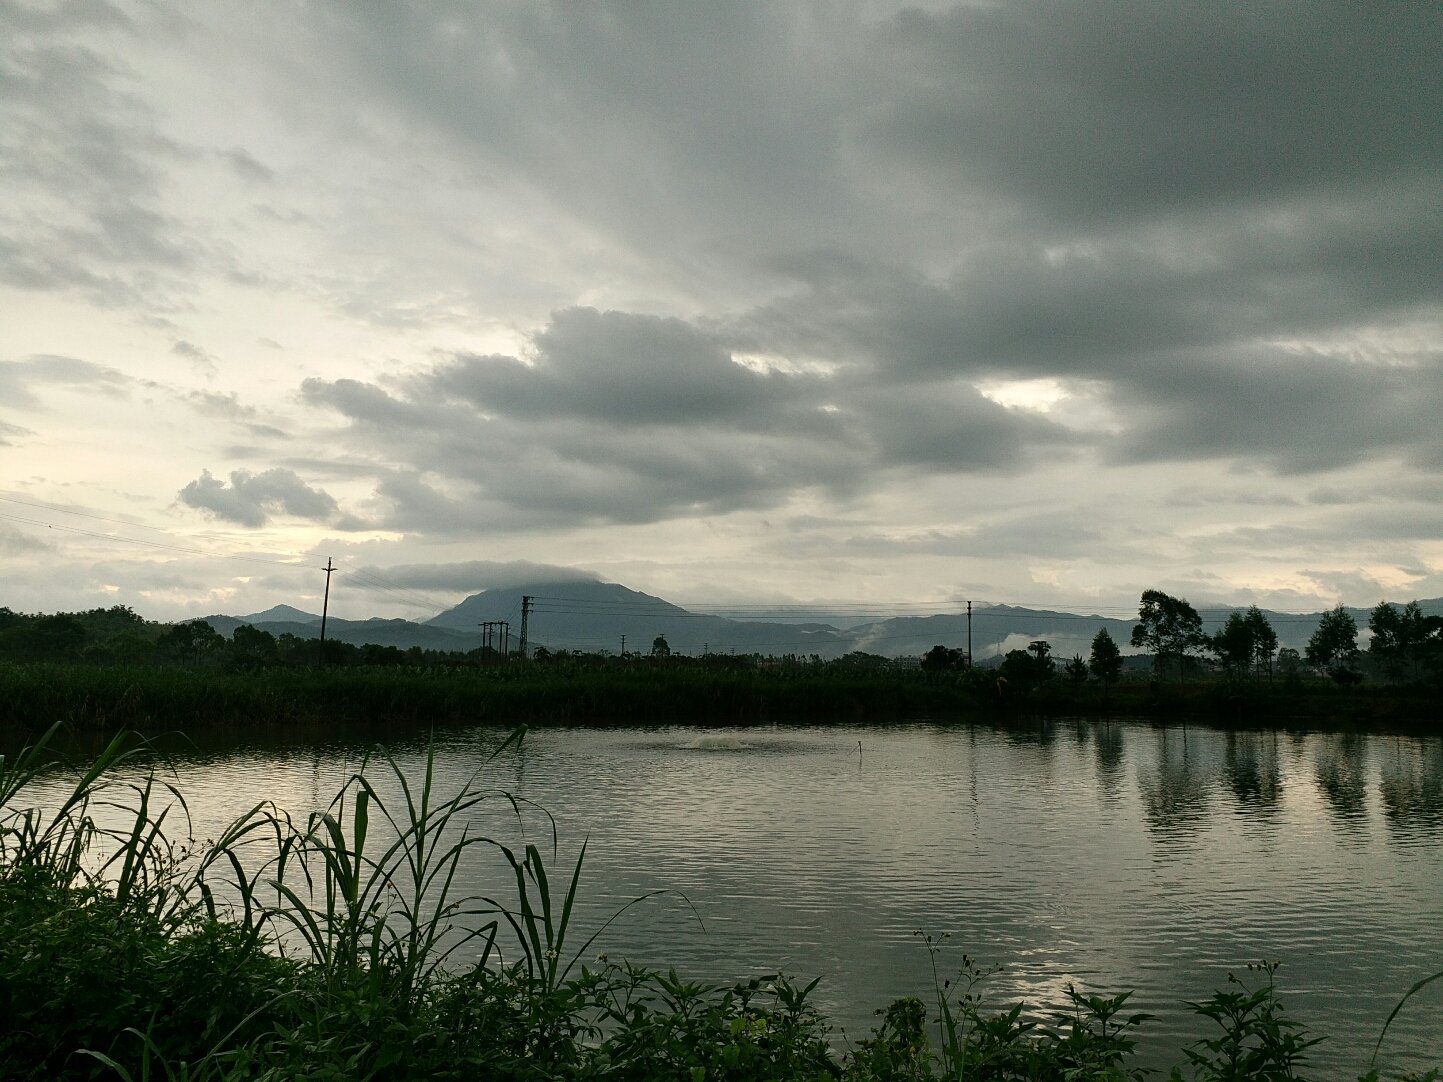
<point>277,613</point>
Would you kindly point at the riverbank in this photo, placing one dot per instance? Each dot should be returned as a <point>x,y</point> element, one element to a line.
<point>156,700</point>
<point>388,974</point>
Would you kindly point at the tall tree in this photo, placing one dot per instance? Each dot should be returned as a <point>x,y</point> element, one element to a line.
<point>942,659</point>
<point>1333,648</point>
<point>1168,627</point>
<point>191,642</point>
<point>1265,639</point>
<point>1105,661</point>
<point>1076,670</point>
<point>1246,642</point>
<point>1233,644</point>
<point>1398,638</point>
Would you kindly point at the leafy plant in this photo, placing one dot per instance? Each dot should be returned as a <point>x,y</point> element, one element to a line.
<point>1258,1041</point>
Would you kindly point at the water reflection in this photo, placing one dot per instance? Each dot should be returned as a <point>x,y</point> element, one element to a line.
<point>1110,752</point>
<point>1174,791</point>
<point>1250,765</point>
<point>1411,784</point>
<point>1031,732</point>
<point>1340,771</point>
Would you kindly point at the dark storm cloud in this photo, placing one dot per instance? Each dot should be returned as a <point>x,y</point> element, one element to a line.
<point>627,418</point>
<point>250,499</point>
<point>1100,308</point>
<point>629,118</point>
<point>1100,111</point>
<point>1179,210</point>
<point>1295,413</point>
<point>941,427</point>
<point>619,368</point>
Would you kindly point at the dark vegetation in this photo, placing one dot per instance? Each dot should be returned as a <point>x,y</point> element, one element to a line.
<point>107,668</point>
<point>337,949</point>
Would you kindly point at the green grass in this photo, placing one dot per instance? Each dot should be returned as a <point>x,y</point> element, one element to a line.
<point>339,948</point>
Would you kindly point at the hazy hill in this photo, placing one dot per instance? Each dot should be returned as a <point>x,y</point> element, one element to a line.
<point>282,614</point>
<point>589,615</point>
<point>594,616</point>
<point>402,633</point>
<point>996,629</point>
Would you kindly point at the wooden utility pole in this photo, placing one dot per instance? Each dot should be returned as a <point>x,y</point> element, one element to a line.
<point>325,606</point>
<point>525,613</point>
<point>969,634</point>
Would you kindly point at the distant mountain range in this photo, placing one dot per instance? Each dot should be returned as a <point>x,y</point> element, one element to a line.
<point>595,616</point>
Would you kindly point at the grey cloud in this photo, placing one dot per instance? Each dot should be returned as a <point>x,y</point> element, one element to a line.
<point>474,575</point>
<point>9,433</point>
<point>628,418</point>
<point>250,499</point>
<point>367,404</point>
<point>1296,413</point>
<point>1073,530</point>
<point>616,367</point>
<point>1341,584</point>
<point>1099,309</point>
<point>84,174</point>
<point>227,406</point>
<point>562,96</point>
<point>950,426</point>
<point>1100,110</point>
<point>202,361</point>
<point>18,379</point>
<point>15,543</point>
<point>1179,345</point>
<point>247,166</point>
<point>1197,496</point>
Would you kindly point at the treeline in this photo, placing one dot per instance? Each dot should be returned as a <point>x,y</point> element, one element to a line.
<point>107,668</point>
<point>1405,647</point>
<point>118,636</point>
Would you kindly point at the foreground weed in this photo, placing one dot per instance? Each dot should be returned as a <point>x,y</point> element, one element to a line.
<point>1417,987</point>
<point>1258,1041</point>
<point>383,913</point>
<point>1093,1040</point>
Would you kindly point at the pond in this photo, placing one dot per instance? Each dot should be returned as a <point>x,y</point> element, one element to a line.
<point>1109,855</point>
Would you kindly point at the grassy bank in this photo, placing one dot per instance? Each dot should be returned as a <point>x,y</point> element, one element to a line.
<point>161,699</point>
<point>338,949</point>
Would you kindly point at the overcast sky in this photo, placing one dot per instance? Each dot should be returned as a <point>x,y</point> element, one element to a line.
<point>787,302</point>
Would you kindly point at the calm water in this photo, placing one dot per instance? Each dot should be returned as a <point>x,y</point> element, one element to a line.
<point>1111,856</point>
